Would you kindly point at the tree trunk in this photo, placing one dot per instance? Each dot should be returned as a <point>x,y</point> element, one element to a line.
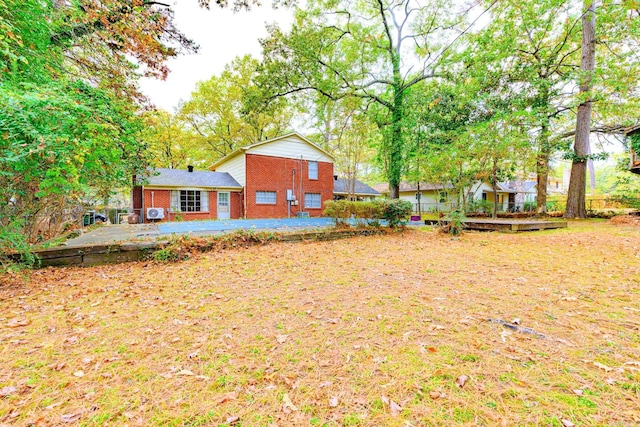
<point>542,172</point>
<point>397,142</point>
<point>494,184</point>
<point>577,183</point>
<point>542,162</point>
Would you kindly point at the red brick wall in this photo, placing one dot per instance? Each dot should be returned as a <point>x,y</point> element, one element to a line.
<point>137,197</point>
<point>237,210</point>
<point>266,173</point>
<point>162,199</point>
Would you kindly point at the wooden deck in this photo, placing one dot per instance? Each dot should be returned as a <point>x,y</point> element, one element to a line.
<point>510,225</point>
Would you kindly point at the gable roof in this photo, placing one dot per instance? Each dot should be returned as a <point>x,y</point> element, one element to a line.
<point>522,186</point>
<point>268,141</point>
<point>406,186</point>
<point>183,178</point>
<point>340,186</point>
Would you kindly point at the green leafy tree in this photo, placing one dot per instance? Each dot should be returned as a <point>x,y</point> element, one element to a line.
<point>464,132</point>
<point>531,47</point>
<point>535,49</point>
<point>345,129</point>
<point>170,145</point>
<point>223,112</point>
<point>69,104</point>
<point>372,50</point>
<point>60,140</point>
<point>606,90</point>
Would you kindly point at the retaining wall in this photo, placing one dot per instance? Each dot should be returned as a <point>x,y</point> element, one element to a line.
<point>126,252</point>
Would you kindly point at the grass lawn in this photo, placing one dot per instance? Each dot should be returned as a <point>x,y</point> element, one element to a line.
<point>371,331</point>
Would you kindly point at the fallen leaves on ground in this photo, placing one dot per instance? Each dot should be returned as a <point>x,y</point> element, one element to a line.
<point>17,322</point>
<point>394,408</point>
<point>383,330</point>
<point>287,404</point>
<point>461,380</point>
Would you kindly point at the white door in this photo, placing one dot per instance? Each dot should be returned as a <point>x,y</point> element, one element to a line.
<point>223,206</point>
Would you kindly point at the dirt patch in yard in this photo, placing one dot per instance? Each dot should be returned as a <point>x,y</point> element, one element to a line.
<point>384,330</point>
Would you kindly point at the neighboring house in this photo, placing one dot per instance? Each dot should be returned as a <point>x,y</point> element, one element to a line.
<point>425,197</point>
<point>556,186</point>
<point>428,197</point>
<point>170,194</point>
<point>635,157</point>
<point>526,194</point>
<point>283,176</point>
<point>483,190</point>
<point>345,188</point>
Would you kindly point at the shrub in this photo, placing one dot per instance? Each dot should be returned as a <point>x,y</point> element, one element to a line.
<point>369,213</point>
<point>627,201</point>
<point>168,254</point>
<point>455,223</point>
<point>396,211</point>
<point>480,206</point>
<point>529,206</point>
<point>339,210</point>
<point>12,239</point>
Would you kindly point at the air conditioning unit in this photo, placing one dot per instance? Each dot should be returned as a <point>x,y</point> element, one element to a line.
<point>155,213</point>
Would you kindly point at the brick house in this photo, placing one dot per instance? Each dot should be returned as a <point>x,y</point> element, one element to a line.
<point>171,194</point>
<point>276,178</point>
<point>284,176</point>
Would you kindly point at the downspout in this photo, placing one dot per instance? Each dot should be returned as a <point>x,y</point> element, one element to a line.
<point>301,193</point>
<point>244,189</point>
<point>293,190</point>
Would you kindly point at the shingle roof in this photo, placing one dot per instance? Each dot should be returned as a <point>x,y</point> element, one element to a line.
<point>340,187</point>
<point>184,178</point>
<point>520,186</point>
<point>405,186</point>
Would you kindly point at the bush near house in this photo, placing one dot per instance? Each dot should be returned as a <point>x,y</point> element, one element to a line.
<point>368,213</point>
<point>396,211</point>
<point>479,206</point>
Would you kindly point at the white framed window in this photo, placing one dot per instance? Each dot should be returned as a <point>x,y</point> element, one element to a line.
<point>189,201</point>
<point>265,197</point>
<point>312,201</point>
<point>313,170</point>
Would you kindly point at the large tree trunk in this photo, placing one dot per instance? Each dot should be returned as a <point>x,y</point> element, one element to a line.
<point>577,184</point>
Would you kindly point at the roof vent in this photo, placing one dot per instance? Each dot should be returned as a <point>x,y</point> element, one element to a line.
<point>190,168</point>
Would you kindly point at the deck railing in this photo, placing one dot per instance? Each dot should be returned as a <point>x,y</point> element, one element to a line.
<point>592,204</point>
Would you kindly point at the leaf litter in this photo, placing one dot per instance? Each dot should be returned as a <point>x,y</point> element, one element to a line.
<point>331,332</point>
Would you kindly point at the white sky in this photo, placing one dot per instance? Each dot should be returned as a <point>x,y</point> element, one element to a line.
<point>222,35</point>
